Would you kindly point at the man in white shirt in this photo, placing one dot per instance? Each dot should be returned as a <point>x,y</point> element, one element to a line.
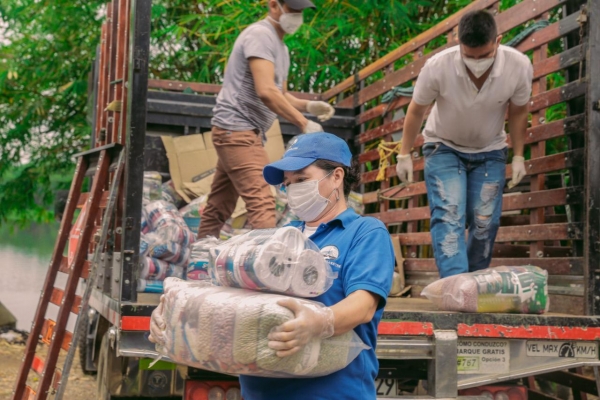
<point>473,84</point>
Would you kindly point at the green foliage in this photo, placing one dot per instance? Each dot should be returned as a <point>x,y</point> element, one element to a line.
<point>46,48</point>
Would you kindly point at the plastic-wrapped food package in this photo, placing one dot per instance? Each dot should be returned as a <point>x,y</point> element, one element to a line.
<point>181,235</point>
<point>225,330</point>
<point>161,213</point>
<point>281,201</point>
<point>157,270</point>
<point>199,258</point>
<point>149,286</point>
<point>145,242</point>
<point>192,212</point>
<point>278,260</point>
<point>170,195</point>
<point>522,289</point>
<point>152,185</point>
<point>355,201</point>
<point>287,217</point>
<point>144,225</point>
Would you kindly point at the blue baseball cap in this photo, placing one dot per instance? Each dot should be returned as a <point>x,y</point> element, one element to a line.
<point>306,150</point>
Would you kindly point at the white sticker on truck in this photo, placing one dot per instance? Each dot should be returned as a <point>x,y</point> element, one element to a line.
<point>554,348</point>
<point>483,356</point>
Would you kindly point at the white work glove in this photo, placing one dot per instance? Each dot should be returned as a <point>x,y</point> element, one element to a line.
<point>311,322</point>
<point>312,127</point>
<point>518,171</point>
<point>157,324</point>
<point>404,168</point>
<point>322,110</point>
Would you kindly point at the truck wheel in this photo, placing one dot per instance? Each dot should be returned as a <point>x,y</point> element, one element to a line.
<point>102,378</point>
<point>83,346</point>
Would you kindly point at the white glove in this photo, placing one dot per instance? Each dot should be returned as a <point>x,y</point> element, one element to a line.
<point>322,110</point>
<point>404,168</point>
<point>157,324</point>
<point>518,171</point>
<point>310,323</point>
<point>312,127</point>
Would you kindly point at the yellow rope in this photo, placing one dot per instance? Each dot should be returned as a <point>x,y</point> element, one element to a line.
<point>386,149</point>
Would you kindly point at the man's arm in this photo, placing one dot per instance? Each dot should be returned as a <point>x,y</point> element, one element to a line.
<point>297,103</point>
<point>517,125</point>
<point>412,125</point>
<point>263,72</point>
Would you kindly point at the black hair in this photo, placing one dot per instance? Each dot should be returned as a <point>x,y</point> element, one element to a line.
<point>477,28</point>
<point>351,173</point>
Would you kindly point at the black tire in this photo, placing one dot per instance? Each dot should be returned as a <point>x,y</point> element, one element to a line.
<point>103,392</point>
<point>83,344</point>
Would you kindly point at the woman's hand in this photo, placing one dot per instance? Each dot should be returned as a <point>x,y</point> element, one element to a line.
<point>310,322</point>
<point>157,324</point>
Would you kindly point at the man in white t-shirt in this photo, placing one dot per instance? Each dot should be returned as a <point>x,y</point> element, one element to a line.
<point>473,84</point>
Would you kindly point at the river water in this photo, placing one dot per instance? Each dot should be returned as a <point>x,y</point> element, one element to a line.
<point>24,258</point>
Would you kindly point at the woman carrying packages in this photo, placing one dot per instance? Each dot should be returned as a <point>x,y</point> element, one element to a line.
<point>318,174</point>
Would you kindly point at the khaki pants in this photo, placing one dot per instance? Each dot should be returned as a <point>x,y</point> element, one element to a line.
<point>242,158</point>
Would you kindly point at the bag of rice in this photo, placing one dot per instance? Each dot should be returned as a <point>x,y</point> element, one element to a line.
<point>522,289</point>
<point>225,330</point>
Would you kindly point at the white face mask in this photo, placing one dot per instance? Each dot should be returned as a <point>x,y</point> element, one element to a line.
<point>305,200</point>
<point>289,22</point>
<point>478,67</point>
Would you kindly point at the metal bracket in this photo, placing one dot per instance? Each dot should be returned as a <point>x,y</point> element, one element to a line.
<point>442,373</point>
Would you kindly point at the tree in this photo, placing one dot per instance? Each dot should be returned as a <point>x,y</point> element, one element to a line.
<point>45,58</point>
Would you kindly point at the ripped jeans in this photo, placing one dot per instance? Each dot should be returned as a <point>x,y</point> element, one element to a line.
<point>464,191</point>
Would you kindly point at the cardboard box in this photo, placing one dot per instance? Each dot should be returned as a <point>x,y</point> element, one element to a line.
<point>274,145</point>
<point>191,158</point>
<point>188,159</point>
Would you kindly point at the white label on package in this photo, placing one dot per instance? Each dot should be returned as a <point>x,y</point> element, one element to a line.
<point>547,348</point>
<point>483,356</point>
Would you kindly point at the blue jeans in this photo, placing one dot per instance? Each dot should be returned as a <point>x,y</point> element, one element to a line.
<point>464,190</point>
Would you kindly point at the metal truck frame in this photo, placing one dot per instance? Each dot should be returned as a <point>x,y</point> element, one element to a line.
<point>455,353</point>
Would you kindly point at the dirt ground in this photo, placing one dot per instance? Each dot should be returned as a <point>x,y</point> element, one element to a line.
<point>79,387</point>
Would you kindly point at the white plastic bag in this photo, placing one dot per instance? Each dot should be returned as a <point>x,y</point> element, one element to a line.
<point>522,289</point>
<point>278,260</point>
<point>225,330</point>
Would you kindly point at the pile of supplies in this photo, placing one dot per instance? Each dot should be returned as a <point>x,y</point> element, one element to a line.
<point>522,289</point>
<point>225,330</point>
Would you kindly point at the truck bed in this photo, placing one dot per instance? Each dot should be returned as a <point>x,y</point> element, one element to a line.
<point>419,317</point>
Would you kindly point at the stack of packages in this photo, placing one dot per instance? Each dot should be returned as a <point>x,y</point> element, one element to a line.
<point>225,330</point>
<point>222,324</point>
<point>164,245</point>
<point>165,237</point>
<point>522,289</point>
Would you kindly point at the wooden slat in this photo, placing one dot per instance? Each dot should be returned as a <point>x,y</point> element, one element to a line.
<point>510,234</point>
<point>506,250</point>
<point>421,40</point>
<point>567,126</point>
<point>550,33</point>
<point>57,296</point>
<point>551,163</point>
<point>507,20</point>
<point>28,394</point>
<point>557,62</point>
<point>64,267</point>
<point>554,266</point>
<point>179,86</point>
<point>84,197</point>
<point>547,198</point>
<point>516,220</point>
<point>46,335</point>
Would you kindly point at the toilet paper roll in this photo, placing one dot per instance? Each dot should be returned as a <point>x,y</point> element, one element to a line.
<point>268,267</point>
<point>312,275</point>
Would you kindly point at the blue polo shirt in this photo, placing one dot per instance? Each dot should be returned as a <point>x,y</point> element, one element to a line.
<point>360,250</point>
